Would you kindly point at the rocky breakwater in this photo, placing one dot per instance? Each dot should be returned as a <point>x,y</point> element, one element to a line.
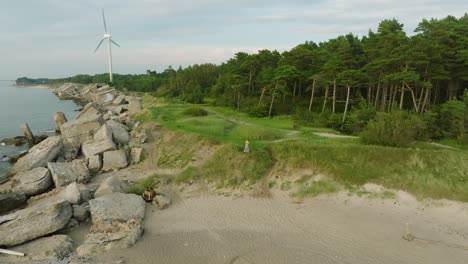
<point>54,178</point>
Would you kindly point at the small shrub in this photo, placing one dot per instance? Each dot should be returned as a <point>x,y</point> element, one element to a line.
<point>397,129</point>
<point>195,111</point>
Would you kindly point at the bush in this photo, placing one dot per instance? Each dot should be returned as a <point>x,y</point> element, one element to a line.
<point>195,111</point>
<point>397,129</point>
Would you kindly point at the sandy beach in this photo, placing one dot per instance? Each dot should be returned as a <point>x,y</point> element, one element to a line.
<point>204,228</point>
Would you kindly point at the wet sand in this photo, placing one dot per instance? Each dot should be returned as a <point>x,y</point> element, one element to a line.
<point>205,228</point>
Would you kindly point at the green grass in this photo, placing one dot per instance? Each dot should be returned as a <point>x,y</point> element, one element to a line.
<point>230,167</point>
<point>149,182</point>
<point>424,170</point>
<point>312,189</point>
<point>188,175</point>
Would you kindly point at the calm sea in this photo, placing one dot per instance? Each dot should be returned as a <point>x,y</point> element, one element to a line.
<point>28,105</point>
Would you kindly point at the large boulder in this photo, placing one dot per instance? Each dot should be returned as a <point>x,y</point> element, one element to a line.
<point>97,147</point>
<point>80,212</point>
<point>65,173</point>
<point>89,110</point>
<point>39,155</point>
<point>105,132</point>
<point>80,130</point>
<point>73,193</point>
<point>104,96</point>
<point>69,91</point>
<point>114,160</point>
<point>120,100</point>
<point>119,132</point>
<point>134,104</point>
<point>94,164</point>
<point>34,222</point>
<point>117,206</point>
<point>54,247</point>
<point>117,223</point>
<point>136,155</point>
<point>111,185</point>
<point>10,201</point>
<point>30,182</point>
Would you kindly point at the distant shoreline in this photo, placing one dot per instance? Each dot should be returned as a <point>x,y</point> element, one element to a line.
<point>35,86</point>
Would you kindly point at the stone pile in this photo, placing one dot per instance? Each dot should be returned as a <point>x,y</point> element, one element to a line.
<point>47,191</point>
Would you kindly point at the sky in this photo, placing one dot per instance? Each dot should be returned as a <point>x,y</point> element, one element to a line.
<point>57,38</point>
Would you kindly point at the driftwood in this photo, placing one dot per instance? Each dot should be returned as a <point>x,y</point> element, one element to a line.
<point>11,252</point>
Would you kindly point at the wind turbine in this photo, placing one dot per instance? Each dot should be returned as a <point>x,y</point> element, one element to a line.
<point>107,37</point>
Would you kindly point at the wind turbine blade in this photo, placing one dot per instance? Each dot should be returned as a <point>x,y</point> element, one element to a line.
<point>102,40</point>
<point>115,43</point>
<point>104,19</point>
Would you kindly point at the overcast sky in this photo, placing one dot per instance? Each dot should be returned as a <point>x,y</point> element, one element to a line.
<point>56,38</point>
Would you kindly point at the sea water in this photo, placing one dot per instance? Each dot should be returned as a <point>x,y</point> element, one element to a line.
<point>31,105</point>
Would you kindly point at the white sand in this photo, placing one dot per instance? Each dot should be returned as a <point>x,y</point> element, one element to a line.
<point>325,229</point>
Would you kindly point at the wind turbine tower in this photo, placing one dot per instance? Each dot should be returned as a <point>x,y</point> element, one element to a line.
<point>108,37</point>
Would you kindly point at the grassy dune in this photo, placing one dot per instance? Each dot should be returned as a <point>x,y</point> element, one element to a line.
<point>424,170</point>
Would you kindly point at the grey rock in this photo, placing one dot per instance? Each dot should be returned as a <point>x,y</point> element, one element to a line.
<point>69,91</point>
<point>103,133</point>
<point>39,155</point>
<point>71,193</point>
<point>120,100</point>
<point>79,130</point>
<point>10,201</point>
<point>114,160</point>
<point>30,182</point>
<point>67,172</point>
<point>104,96</point>
<point>70,150</point>
<point>45,248</point>
<point>34,222</point>
<point>110,235</point>
<point>117,206</point>
<point>117,223</point>
<point>98,147</point>
<point>89,110</point>
<point>70,225</point>
<point>161,201</point>
<point>80,212</point>
<point>94,164</point>
<point>111,185</point>
<point>136,155</point>
<point>120,135</point>
<point>134,104</point>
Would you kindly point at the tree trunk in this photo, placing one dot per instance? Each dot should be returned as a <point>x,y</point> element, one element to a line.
<point>421,98</point>
<point>384,98</point>
<point>272,100</point>
<point>312,96</point>
<point>325,99</point>
<point>347,102</point>
<point>334,95</point>
<point>250,81</point>
<point>369,94</point>
<point>238,100</point>
<point>377,96</point>
<point>414,98</point>
<point>423,107</point>
<point>395,90</point>
<point>402,95</point>
<point>294,91</point>
<point>261,96</point>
